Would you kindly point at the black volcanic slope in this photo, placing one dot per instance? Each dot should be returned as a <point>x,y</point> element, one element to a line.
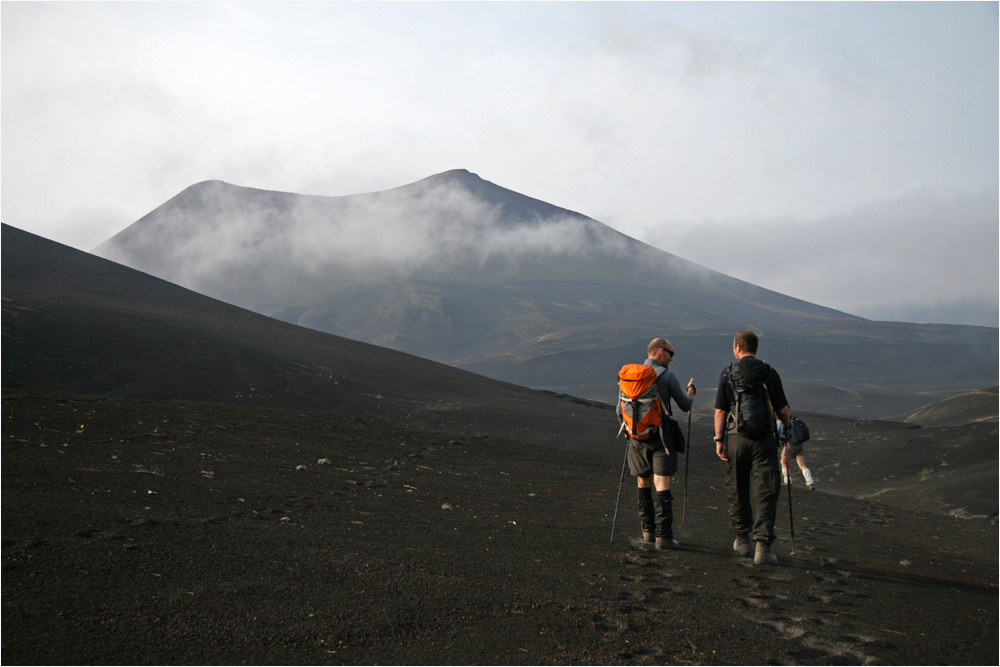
<point>77,322</point>
<point>949,469</point>
<point>173,532</point>
<point>207,504</point>
<point>460,270</point>
<point>72,321</point>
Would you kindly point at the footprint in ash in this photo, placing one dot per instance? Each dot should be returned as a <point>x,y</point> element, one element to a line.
<point>809,609</point>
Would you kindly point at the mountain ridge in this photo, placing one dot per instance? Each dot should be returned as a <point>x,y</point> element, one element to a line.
<point>460,270</point>
<point>503,205</point>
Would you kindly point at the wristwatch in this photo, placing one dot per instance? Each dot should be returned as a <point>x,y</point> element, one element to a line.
<point>720,439</point>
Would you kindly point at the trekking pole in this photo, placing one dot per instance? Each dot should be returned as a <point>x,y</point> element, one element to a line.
<point>687,460</point>
<point>791,519</point>
<point>620,484</point>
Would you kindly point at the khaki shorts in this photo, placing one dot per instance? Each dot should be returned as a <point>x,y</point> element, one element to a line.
<point>648,457</point>
<point>793,449</point>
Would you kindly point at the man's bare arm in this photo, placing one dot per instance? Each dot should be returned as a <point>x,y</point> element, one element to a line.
<point>783,416</point>
<point>721,450</point>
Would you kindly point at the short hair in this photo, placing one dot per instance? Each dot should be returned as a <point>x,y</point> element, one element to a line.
<point>654,345</point>
<point>747,340</point>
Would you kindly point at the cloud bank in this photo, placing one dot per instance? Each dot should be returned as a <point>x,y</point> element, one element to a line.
<point>632,113</point>
<point>233,243</point>
<point>921,258</point>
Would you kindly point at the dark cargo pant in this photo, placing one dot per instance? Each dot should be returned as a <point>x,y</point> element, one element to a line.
<point>753,473</point>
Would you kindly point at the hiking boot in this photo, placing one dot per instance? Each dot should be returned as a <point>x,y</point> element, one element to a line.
<point>763,556</point>
<point>665,543</point>
<point>647,536</point>
<point>743,547</point>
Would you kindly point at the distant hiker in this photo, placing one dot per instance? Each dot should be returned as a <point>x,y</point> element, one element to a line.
<point>750,397</point>
<point>654,438</point>
<point>792,450</point>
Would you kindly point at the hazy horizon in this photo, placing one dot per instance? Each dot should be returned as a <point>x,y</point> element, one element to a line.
<point>841,153</point>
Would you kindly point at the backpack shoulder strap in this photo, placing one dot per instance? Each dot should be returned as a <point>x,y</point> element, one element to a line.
<point>665,402</point>
<point>732,370</point>
<point>732,419</point>
<point>664,405</point>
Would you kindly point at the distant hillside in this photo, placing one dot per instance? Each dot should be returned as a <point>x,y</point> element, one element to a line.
<point>942,468</point>
<point>460,270</point>
<point>965,408</point>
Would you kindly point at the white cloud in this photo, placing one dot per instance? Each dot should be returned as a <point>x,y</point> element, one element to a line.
<point>632,113</point>
<point>926,257</point>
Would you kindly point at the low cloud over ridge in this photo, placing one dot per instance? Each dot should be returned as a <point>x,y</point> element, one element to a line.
<point>933,257</point>
<point>441,225</point>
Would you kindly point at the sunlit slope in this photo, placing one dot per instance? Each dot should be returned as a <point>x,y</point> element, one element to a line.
<point>965,408</point>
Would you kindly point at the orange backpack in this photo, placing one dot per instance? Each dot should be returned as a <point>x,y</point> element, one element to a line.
<point>639,402</point>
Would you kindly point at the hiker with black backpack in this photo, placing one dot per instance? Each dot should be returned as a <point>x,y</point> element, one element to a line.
<point>749,401</point>
<point>654,438</point>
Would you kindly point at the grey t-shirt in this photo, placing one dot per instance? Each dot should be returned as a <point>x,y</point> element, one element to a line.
<point>670,387</point>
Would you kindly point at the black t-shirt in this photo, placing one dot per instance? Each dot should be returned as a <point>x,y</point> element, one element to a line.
<point>751,367</point>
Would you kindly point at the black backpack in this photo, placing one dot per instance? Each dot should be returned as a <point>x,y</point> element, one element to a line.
<point>751,406</point>
<point>800,432</point>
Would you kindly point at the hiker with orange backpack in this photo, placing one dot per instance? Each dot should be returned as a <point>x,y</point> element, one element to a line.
<point>654,438</point>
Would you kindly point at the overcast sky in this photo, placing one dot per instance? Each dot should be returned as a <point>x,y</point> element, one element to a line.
<point>843,153</point>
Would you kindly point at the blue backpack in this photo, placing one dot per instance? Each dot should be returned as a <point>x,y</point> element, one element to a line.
<point>800,432</point>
